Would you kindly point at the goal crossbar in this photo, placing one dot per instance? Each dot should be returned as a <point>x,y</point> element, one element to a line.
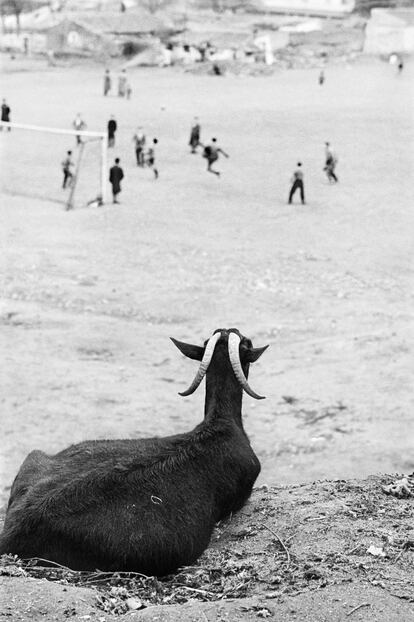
<point>102,136</point>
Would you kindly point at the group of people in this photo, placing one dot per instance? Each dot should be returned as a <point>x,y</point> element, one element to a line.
<point>145,156</point>
<point>331,161</point>
<point>124,86</point>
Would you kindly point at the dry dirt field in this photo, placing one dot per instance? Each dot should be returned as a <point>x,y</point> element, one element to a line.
<point>90,297</point>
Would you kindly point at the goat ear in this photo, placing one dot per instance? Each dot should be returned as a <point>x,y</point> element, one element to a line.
<point>254,354</point>
<point>193,352</point>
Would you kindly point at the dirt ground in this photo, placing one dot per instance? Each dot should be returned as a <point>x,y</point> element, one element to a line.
<point>89,298</point>
<point>323,552</point>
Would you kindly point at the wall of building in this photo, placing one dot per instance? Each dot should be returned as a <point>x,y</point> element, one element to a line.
<point>310,7</point>
<point>389,31</point>
<point>382,39</point>
<point>69,37</point>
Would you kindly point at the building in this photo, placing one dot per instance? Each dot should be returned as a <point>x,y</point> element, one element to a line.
<point>104,32</point>
<point>390,31</point>
<point>320,8</point>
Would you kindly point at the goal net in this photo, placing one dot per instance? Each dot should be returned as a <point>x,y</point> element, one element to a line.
<point>32,160</point>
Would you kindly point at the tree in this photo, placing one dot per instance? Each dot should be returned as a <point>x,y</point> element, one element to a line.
<point>16,8</point>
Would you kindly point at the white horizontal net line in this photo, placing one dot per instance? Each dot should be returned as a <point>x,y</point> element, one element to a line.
<point>54,130</point>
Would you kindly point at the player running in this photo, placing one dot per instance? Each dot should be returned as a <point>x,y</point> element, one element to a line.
<point>211,153</point>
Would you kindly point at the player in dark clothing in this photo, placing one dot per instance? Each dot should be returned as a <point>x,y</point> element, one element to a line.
<point>297,184</point>
<point>116,175</point>
<point>321,78</point>
<point>111,131</point>
<point>150,161</point>
<point>330,164</point>
<point>66,168</point>
<point>195,135</point>
<point>5,114</point>
<point>211,153</point>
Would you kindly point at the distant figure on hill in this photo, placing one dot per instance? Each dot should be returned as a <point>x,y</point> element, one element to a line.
<point>122,83</point>
<point>5,114</point>
<point>79,125</point>
<point>297,184</point>
<point>195,135</point>
<point>330,164</point>
<point>139,139</point>
<point>116,175</point>
<point>321,78</point>
<point>217,70</point>
<point>400,65</point>
<point>151,158</point>
<point>128,90</point>
<point>112,126</point>
<point>211,153</point>
<point>107,82</point>
<point>66,168</point>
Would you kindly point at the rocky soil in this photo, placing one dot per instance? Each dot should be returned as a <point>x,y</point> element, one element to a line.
<point>327,551</point>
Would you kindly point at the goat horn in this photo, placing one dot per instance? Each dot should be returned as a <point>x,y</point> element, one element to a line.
<point>208,353</point>
<point>234,342</point>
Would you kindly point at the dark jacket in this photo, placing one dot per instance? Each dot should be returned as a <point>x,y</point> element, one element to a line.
<point>116,174</point>
<point>111,127</point>
<point>5,113</point>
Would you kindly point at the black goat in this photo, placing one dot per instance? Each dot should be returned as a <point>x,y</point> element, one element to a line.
<point>145,505</point>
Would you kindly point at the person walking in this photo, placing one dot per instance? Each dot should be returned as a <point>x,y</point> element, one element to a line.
<point>5,114</point>
<point>211,153</point>
<point>297,184</point>
<point>107,82</point>
<point>67,164</point>
<point>116,175</point>
<point>139,139</point>
<point>151,158</point>
<point>79,125</point>
<point>112,127</point>
<point>195,135</point>
<point>330,164</point>
<point>321,78</point>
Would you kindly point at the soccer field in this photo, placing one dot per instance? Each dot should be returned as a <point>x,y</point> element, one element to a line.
<point>90,297</point>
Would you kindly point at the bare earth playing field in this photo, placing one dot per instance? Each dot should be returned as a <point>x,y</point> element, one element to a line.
<point>90,297</point>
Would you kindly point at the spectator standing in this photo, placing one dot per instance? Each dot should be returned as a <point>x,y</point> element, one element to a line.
<point>5,114</point>
<point>116,175</point>
<point>297,184</point>
<point>122,83</point>
<point>112,127</point>
<point>321,78</point>
<point>195,135</point>
<point>107,82</point>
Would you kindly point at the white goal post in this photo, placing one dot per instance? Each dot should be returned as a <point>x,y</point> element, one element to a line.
<point>86,135</point>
